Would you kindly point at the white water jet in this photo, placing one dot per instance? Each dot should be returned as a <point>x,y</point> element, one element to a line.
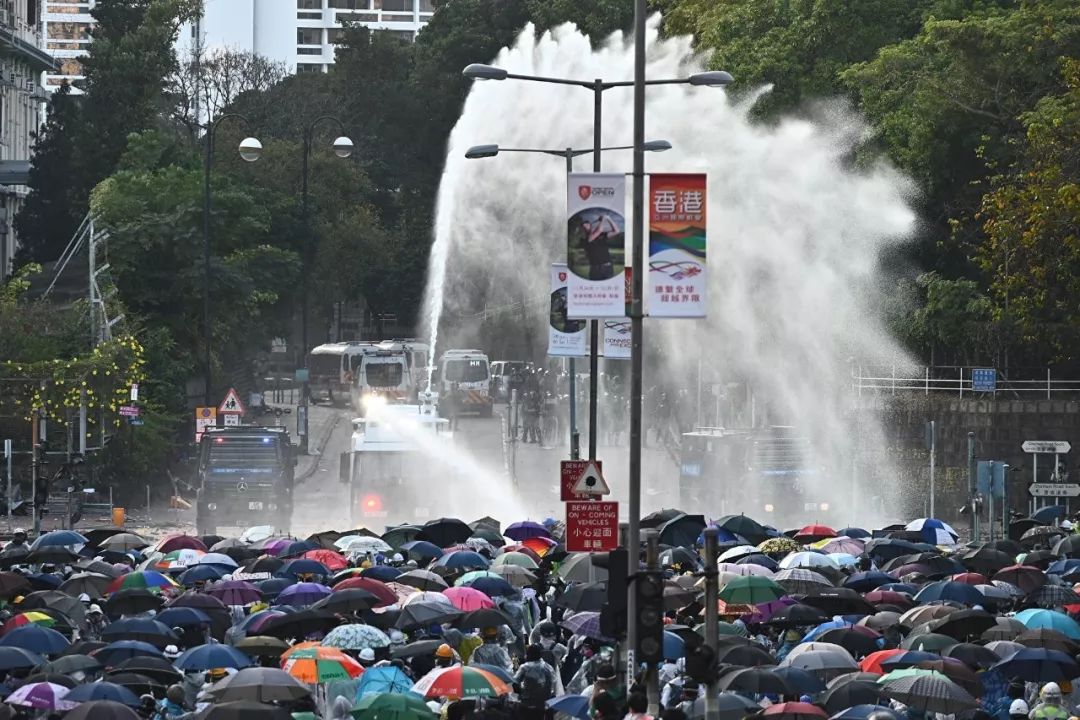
<point>796,233</point>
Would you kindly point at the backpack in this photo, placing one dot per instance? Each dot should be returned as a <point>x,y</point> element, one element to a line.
<point>536,687</point>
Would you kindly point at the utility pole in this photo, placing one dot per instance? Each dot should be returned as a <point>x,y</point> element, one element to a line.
<point>972,485</point>
<point>712,620</point>
<point>652,678</point>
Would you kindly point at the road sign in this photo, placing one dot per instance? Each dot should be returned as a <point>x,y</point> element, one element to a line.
<point>302,375</point>
<point>135,421</point>
<point>231,404</point>
<point>1047,489</point>
<point>1046,446</point>
<point>592,526</point>
<point>134,392</point>
<point>205,417</point>
<point>129,411</point>
<point>232,419</point>
<point>569,473</point>
<point>984,379</point>
<point>591,481</point>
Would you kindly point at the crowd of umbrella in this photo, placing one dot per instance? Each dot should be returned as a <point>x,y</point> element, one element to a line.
<point>859,619</point>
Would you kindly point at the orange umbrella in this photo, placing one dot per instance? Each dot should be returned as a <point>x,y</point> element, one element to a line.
<point>332,560</point>
<point>320,664</point>
<point>872,662</point>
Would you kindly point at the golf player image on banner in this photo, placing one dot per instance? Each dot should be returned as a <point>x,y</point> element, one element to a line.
<point>616,339</point>
<point>566,337</point>
<point>596,244</point>
<point>678,278</point>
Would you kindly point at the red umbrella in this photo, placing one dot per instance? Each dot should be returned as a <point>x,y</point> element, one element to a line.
<point>180,542</point>
<point>332,560</point>
<point>889,597</point>
<point>795,711</point>
<point>872,662</point>
<point>970,578</point>
<point>815,532</point>
<point>1027,578</point>
<point>386,595</point>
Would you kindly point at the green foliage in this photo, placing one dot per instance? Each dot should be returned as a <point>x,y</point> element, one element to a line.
<point>598,19</point>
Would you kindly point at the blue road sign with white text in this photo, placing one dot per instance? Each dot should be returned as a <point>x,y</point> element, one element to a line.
<point>984,379</point>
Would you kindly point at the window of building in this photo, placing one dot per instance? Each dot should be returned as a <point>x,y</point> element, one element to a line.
<point>334,36</point>
<point>309,4</point>
<point>308,51</point>
<point>395,5</point>
<point>349,4</point>
<point>403,34</point>
<point>427,6</point>
<point>308,36</point>
<point>308,68</point>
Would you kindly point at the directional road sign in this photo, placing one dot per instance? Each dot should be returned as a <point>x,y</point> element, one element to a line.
<point>1049,489</point>
<point>1046,446</point>
<point>984,379</point>
<point>592,526</point>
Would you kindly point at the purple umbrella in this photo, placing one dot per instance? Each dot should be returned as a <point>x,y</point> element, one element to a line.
<point>235,592</point>
<point>765,611</point>
<point>254,623</point>
<point>585,623</point>
<point>302,594</point>
<point>526,529</point>
<point>274,546</point>
<point>41,696</point>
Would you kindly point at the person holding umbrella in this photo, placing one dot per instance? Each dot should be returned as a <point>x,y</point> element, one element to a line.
<point>1050,705</point>
<point>492,652</point>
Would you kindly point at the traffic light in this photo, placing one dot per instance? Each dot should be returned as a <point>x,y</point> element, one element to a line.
<point>613,614</point>
<point>701,664</point>
<point>649,593</point>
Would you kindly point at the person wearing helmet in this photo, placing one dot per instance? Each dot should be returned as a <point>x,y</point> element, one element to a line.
<point>1050,705</point>
<point>173,704</point>
<point>535,683</point>
<point>445,656</point>
<point>18,540</point>
<point>492,652</point>
<point>1018,709</point>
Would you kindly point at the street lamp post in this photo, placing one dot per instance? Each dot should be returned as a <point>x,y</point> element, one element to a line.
<point>718,78</point>
<point>250,150</point>
<point>478,71</point>
<point>477,152</point>
<point>343,148</point>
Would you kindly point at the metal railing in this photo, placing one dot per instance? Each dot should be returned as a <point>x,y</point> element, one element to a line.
<point>894,379</point>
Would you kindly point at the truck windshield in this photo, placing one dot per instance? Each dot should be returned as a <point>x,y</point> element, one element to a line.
<point>382,469</point>
<point>465,371</point>
<point>324,364</point>
<point>383,374</point>
<point>251,454</point>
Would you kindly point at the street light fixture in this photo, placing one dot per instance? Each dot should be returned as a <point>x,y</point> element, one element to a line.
<point>477,152</point>
<point>343,147</point>
<point>250,150</point>
<point>480,71</point>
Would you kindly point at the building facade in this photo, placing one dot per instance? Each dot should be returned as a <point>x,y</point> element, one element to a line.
<point>22,65</point>
<point>300,33</point>
<point>66,26</point>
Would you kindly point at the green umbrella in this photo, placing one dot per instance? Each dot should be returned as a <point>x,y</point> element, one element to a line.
<point>470,577</point>
<point>751,590</point>
<point>516,558</point>
<point>407,706</point>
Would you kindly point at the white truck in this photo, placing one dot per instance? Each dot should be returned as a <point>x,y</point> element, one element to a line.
<point>469,372</point>
<point>392,371</point>
<point>332,368</point>
<point>390,459</point>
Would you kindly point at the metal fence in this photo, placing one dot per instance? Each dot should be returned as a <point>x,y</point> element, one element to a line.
<point>1023,385</point>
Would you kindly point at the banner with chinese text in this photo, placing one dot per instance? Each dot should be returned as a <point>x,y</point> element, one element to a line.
<point>566,337</point>
<point>617,339</point>
<point>596,244</point>
<point>678,277</point>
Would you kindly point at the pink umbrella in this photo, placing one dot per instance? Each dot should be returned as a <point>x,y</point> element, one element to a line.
<point>234,592</point>
<point>468,599</point>
<point>180,542</point>
<point>843,544</point>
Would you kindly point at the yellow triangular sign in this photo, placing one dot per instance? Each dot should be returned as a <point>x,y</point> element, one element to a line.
<point>591,482</point>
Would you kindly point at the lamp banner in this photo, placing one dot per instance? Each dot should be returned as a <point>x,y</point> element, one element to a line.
<point>678,274</point>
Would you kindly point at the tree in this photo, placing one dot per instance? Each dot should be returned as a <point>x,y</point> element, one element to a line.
<point>52,210</point>
<point>595,18</point>
<point>216,80</point>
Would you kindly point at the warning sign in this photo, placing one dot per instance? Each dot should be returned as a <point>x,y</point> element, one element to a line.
<point>231,404</point>
<point>570,472</point>
<point>592,526</point>
<point>591,481</point>
<point>205,417</point>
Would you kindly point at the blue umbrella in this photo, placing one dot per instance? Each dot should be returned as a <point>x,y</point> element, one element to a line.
<point>183,617</point>
<point>36,639</point>
<point>382,573</point>
<point>1049,514</point>
<point>302,594</point>
<point>102,691</point>
<point>205,657</point>
<point>576,706</point>
<point>16,657</point>
<point>147,630</point>
<point>801,681</point>
<point>674,646</point>
<point>908,659</point>
<point>303,566</point>
<point>462,559</point>
<point>44,581</point>
<point>422,549</point>
<point>298,548</point>
<point>1035,618</point>
<point>201,573</point>
<point>1038,665</point>
<point>493,587</point>
<point>759,559</point>
<point>524,530</point>
<point>58,538</point>
<point>862,712</point>
<point>115,653</point>
<point>1064,567</point>
<point>272,588</point>
<point>854,532</point>
<point>386,679</point>
<point>867,581</point>
<point>949,590</point>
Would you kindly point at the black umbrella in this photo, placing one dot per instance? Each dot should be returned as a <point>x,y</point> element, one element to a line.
<point>422,580</point>
<point>156,668</point>
<point>104,690</point>
<point>730,706</point>
<point>963,624</point>
<point>300,624</point>
<point>52,677</point>
<point>678,556</point>
<point>803,682</point>
<point>96,536</point>
<point>1068,546</point>
<point>14,658</point>
<point>397,536</point>
<point>445,532</point>
<point>262,646</point>
<point>220,619</point>
<point>145,629</point>
<point>488,617</point>
<point>244,710</point>
<point>423,614</point>
<point>138,684</point>
<point>132,601</point>
<point>972,655</point>
<point>883,549</point>
<point>352,600</point>
<point>259,685</point>
<point>839,601</point>
<point>986,560</point>
<point>55,600</point>
<point>325,539</point>
<point>12,584</point>
<point>798,615</point>
<point>744,655</point>
<point>747,527</point>
<point>756,680</point>
<point>1042,536</point>
<point>857,642</point>
<point>69,664</point>
<point>414,649</point>
<point>102,710</point>
<point>52,555</point>
<point>84,647</point>
<point>682,530</point>
<point>584,596</point>
<point>857,692</point>
<point>1049,639</point>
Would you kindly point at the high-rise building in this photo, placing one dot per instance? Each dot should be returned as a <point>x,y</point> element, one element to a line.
<point>300,33</point>
<point>22,63</point>
<point>66,25</point>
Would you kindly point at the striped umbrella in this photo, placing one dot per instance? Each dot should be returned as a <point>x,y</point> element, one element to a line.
<point>320,664</point>
<point>41,696</point>
<point>927,690</point>
<point>144,580</point>
<point>458,682</point>
<point>586,624</point>
<point>28,618</point>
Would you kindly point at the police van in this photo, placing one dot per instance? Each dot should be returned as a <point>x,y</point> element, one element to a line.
<point>470,371</point>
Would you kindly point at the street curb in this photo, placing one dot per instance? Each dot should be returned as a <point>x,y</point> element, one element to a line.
<point>318,455</point>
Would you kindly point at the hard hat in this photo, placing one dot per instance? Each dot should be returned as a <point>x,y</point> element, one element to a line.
<point>444,651</point>
<point>18,531</point>
<point>216,673</point>
<point>1050,688</point>
<point>490,632</point>
<point>95,608</point>
<point>172,652</point>
<point>1018,707</point>
<point>83,597</point>
<point>367,655</point>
